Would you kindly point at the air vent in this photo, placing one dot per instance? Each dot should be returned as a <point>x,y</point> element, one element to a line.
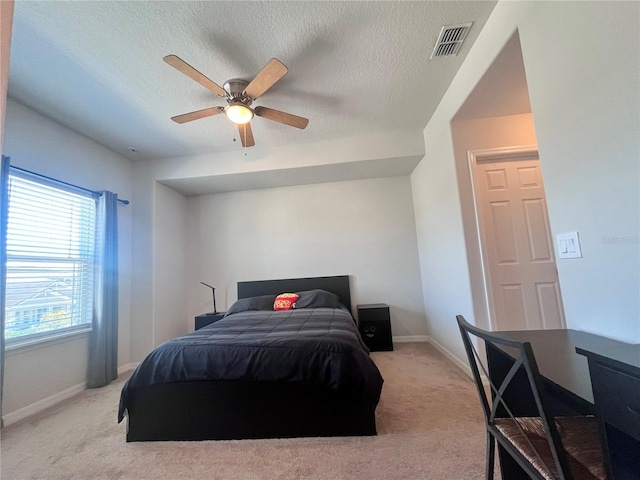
<point>450,40</point>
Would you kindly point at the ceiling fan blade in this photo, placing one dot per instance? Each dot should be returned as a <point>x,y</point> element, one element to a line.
<point>206,112</point>
<point>246,135</point>
<point>282,117</point>
<point>273,71</point>
<point>189,71</point>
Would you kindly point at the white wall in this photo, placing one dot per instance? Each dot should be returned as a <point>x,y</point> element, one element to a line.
<point>153,283</point>
<point>142,275</point>
<point>39,144</point>
<point>169,259</point>
<point>584,85</point>
<point>587,115</point>
<point>362,228</point>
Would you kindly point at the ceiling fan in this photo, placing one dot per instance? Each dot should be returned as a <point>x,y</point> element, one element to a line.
<point>239,95</point>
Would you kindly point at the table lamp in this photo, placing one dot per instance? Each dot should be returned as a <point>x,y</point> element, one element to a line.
<point>213,292</point>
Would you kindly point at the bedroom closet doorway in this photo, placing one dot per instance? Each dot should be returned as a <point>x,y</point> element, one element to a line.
<point>521,278</point>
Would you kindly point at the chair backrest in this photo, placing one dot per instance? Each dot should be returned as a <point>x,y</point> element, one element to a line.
<point>517,391</point>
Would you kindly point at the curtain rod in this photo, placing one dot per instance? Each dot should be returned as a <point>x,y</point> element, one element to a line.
<point>124,202</point>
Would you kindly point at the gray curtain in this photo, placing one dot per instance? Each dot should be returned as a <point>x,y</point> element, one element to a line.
<point>4,214</point>
<point>103,341</point>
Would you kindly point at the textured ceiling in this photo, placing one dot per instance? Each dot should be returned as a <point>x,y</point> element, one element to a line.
<point>354,67</point>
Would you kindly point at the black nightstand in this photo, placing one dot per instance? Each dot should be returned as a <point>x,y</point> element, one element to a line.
<point>374,323</point>
<point>207,318</point>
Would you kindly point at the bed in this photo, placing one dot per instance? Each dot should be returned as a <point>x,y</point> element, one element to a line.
<point>260,373</point>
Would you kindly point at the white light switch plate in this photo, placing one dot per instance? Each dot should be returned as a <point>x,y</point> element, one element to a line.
<point>568,245</point>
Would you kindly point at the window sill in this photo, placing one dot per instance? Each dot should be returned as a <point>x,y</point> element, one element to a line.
<point>42,342</point>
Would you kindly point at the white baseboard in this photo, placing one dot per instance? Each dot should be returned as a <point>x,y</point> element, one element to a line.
<point>43,404</point>
<point>125,368</point>
<point>450,356</point>
<point>411,339</point>
<point>50,401</point>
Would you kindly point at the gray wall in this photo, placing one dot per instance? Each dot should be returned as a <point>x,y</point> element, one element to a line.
<point>362,228</point>
<point>169,260</point>
<point>339,228</point>
<point>583,87</point>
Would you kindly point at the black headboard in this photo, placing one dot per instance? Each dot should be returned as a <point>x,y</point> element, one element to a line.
<point>338,285</point>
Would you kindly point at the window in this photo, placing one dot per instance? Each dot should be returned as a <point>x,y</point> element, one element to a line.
<point>50,258</point>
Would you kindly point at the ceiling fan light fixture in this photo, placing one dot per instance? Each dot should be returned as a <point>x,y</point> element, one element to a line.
<point>238,113</point>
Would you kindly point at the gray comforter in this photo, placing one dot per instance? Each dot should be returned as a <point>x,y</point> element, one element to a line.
<point>311,345</point>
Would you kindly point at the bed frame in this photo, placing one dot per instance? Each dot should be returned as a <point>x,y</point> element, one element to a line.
<point>338,285</point>
<point>222,410</point>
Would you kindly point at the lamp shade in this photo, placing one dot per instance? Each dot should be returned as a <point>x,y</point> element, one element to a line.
<point>238,113</point>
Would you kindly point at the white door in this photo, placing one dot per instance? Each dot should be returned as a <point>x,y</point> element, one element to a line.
<point>517,247</point>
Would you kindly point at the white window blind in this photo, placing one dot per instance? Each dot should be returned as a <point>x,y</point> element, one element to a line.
<point>50,257</point>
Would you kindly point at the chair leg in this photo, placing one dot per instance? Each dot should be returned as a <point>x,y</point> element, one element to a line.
<point>491,450</point>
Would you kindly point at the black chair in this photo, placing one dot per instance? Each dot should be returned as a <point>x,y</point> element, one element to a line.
<point>518,415</point>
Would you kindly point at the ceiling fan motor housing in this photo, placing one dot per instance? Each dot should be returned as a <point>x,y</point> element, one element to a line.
<point>235,91</point>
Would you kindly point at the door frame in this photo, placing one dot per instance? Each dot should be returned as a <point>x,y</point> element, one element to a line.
<point>522,152</point>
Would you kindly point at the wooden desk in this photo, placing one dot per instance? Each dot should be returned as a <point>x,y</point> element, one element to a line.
<point>568,381</point>
<point>615,378</point>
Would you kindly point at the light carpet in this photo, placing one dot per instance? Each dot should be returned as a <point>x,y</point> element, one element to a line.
<point>429,422</point>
